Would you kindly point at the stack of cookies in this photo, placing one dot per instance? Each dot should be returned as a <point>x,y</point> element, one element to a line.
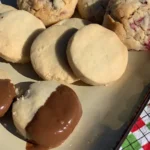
<point>66,51</point>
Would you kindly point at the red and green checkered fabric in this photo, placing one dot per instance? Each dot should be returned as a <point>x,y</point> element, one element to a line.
<point>139,136</point>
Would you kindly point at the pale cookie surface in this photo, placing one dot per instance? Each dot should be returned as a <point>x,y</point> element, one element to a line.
<point>100,58</point>
<point>92,10</point>
<point>74,22</point>
<point>26,107</point>
<point>48,54</point>
<point>18,29</point>
<point>130,19</point>
<point>49,12</point>
<point>5,8</point>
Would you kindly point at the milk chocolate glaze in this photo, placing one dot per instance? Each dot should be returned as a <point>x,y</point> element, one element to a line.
<point>7,94</point>
<point>30,146</point>
<point>56,120</point>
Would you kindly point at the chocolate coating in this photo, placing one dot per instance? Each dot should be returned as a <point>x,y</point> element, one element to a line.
<point>7,94</point>
<point>55,121</point>
<point>30,146</point>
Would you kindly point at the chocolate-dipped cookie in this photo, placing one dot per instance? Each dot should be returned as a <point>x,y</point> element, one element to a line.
<point>47,114</point>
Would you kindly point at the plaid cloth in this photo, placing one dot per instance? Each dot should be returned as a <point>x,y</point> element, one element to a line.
<point>139,136</point>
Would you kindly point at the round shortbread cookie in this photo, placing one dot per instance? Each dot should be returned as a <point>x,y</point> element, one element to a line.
<point>92,10</point>
<point>74,22</point>
<point>130,20</point>
<point>49,12</point>
<point>18,29</point>
<point>99,58</point>
<point>5,8</point>
<point>48,54</point>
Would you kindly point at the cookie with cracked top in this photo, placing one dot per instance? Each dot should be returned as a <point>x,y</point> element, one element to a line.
<point>130,20</point>
<point>49,12</point>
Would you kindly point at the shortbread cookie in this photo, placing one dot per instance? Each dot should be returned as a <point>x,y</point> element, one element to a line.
<point>46,109</point>
<point>49,12</point>
<point>18,29</point>
<point>48,54</point>
<point>5,8</point>
<point>74,22</point>
<point>92,10</point>
<point>130,20</point>
<point>96,55</point>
